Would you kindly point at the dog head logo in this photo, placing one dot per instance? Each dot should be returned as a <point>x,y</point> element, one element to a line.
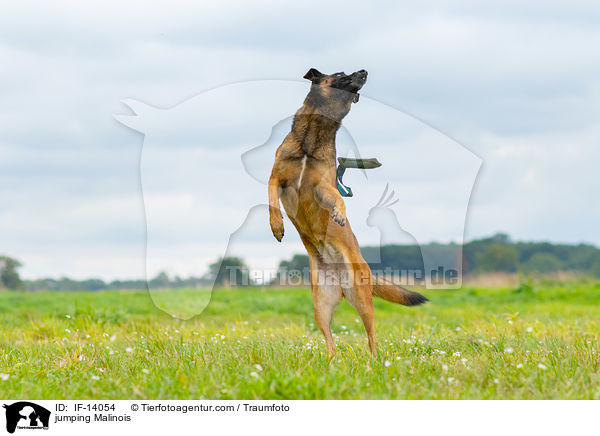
<point>26,415</point>
<point>205,164</point>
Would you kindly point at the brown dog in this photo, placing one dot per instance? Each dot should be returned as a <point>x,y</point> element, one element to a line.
<point>304,179</point>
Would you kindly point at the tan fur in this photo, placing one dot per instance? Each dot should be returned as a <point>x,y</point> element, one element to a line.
<point>303,178</point>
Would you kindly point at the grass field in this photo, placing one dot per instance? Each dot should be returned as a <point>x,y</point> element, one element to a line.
<point>537,342</point>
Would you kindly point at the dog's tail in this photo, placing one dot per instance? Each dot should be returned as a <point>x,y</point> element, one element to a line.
<point>396,294</point>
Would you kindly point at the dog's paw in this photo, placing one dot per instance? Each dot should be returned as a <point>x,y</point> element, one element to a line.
<point>338,217</point>
<point>277,230</point>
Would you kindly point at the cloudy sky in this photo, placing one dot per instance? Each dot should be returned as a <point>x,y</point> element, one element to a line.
<point>516,83</point>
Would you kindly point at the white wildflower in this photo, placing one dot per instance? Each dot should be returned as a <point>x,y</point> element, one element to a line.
<point>387,363</point>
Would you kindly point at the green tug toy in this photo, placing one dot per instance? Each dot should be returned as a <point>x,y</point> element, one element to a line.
<point>345,162</point>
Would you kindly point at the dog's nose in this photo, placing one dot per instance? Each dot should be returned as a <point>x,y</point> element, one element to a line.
<point>361,74</point>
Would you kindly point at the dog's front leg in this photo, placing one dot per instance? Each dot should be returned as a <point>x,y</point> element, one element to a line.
<point>275,217</point>
<point>330,198</point>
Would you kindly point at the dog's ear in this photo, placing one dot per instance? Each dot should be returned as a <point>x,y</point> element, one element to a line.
<point>313,75</point>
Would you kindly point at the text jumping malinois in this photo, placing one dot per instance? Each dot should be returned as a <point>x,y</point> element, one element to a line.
<point>304,179</point>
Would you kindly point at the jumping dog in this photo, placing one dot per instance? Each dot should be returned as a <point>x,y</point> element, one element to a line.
<point>304,180</point>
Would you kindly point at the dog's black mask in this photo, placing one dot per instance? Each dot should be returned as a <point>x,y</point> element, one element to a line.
<point>350,83</point>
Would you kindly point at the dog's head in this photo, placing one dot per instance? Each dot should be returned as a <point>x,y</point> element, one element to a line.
<point>332,94</point>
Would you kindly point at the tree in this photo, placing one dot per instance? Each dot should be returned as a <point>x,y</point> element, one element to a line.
<point>498,257</point>
<point>595,267</point>
<point>93,285</point>
<point>160,281</point>
<point>229,271</point>
<point>543,263</point>
<point>501,238</point>
<point>299,262</point>
<point>9,276</point>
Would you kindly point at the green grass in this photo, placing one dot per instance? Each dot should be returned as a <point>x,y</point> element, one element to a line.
<point>473,343</point>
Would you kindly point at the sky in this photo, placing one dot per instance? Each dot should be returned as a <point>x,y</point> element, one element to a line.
<point>516,84</point>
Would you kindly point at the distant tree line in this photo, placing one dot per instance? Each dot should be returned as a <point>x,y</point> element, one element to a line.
<point>495,254</point>
<point>499,253</point>
<point>225,272</point>
<point>161,280</point>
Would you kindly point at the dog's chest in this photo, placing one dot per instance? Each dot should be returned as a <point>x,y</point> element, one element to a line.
<point>302,169</point>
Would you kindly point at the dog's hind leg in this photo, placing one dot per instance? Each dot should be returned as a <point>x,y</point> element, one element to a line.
<point>326,297</point>
<point>358,290</point>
